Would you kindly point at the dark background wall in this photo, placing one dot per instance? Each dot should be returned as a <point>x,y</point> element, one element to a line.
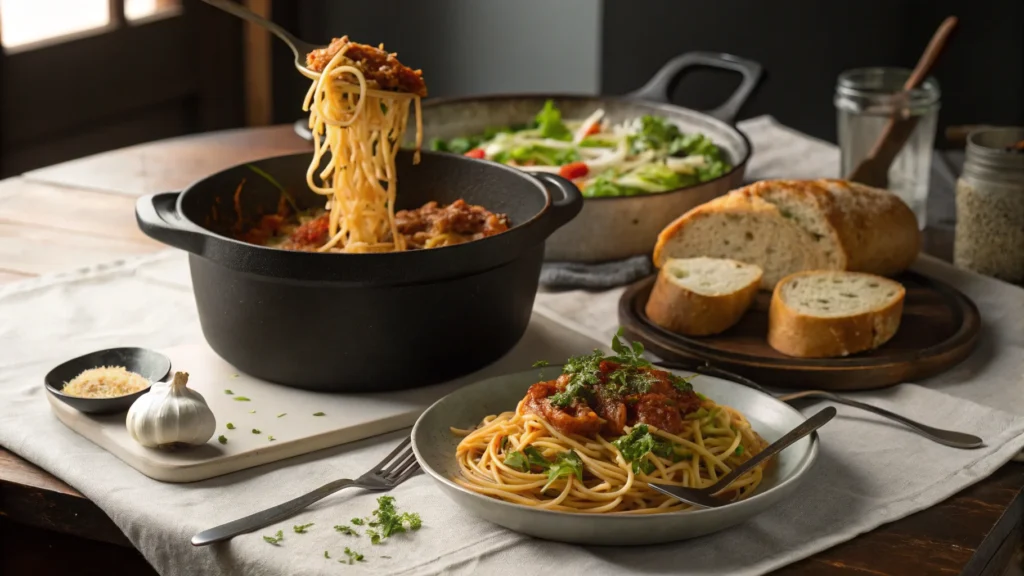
<point>614,46</point>
<point>805,44</point>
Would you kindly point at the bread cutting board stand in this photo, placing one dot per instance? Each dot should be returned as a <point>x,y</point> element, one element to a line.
<point>939,328</point>
<point>272,422</point>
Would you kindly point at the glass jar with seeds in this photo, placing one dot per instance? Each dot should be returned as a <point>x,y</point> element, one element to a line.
<point>990,205</point>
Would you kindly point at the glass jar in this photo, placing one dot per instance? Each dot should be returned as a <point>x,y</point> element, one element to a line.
<point>866,99</point>
<point>989,234</point>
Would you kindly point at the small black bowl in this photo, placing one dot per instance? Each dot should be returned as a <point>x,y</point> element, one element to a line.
<point>149,364</point>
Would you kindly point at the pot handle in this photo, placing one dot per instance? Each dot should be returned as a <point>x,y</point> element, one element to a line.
<point>658,88</point>
<point>569,200</point>
<point>158,218</point>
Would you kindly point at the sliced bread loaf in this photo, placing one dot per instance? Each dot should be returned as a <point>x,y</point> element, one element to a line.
<point>702,296</point>
<point>788,226</point>
<point>824,314</point>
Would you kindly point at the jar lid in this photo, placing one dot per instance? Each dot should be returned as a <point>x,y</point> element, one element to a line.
<point>996,149</point>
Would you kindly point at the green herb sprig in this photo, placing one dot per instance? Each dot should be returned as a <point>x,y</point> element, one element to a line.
<point>275,539</point>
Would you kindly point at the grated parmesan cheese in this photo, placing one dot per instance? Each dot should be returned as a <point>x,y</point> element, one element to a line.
<point>105,382</point>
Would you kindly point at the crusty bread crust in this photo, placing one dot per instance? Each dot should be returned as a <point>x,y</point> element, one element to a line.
<point>873,231</point>
<point>683,311</point>
<point>796,334</point>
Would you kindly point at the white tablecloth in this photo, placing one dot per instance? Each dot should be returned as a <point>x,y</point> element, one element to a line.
<point>870,472</point>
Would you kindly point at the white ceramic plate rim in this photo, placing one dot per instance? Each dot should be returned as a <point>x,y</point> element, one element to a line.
<point>808,459</point>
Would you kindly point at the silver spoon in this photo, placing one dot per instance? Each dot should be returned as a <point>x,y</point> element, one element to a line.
<point>706,496</point>
<point>949,438</point>
<point>299,47</point>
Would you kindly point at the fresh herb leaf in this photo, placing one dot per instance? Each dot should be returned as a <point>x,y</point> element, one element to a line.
<point>541,363</point>
<point>390,522</point>
<point>281,414</point>
<point>230,426</point>
<point>256,431</point>
<point>241,399</point>
<point>358,521</point>
<point>638,443</point>
<point>271,438</point>
<point>549,120</point>
<point>535,458</point>
<point>319,414</point>
<point>228,392</point>
<point>222,439</point>
<point>504,442</point>
<point>275,538</point>
<point>517,461</point>
<point>543,155</point>
<point>682,383</point>
<point>353,556</point>
<point>301,528</point>
<point>346,530</point>
<point>460,145</point>
<point>565,464</point>
<point>739,450</point>
<point>326,555</point>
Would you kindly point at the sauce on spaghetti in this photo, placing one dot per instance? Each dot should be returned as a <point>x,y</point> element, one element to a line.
<point>430,226</point>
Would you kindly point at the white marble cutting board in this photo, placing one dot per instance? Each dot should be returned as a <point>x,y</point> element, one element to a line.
<point>347,417</point>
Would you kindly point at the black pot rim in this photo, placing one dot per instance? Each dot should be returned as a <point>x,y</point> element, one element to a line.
<point>669,108</point>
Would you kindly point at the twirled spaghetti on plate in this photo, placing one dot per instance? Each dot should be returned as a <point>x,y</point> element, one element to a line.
<point>590,441</point>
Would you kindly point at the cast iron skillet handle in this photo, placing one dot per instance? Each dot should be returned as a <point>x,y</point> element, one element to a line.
<point>659,86</point>
<point>565,205</point>
<point>158,218</point>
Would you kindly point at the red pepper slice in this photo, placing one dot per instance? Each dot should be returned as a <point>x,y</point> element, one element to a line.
<point>574,170</point>
<point>475,153</point>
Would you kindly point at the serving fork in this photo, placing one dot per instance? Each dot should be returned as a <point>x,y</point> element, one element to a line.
<point>706,496</point>
<point>950,438</point>
<point>394,469</point>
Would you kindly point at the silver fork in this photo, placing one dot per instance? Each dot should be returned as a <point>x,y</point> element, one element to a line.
<point>706,496</point>
<point>394,469</point>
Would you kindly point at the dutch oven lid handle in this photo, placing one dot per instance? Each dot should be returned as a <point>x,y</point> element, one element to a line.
<point>158,218</point>
<point>566,203</point>
<point>659,87</point>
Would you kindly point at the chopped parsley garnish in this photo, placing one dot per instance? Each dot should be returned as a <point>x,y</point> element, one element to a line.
<point>222,439</point>
<point>739,450</point>
<point>271,438</point>
<point>229,392</point>
<point>345,530</point>
<point>301,528</point>
<point>504,442</point>
<point>326,555</point>
<point>281,414</point>
<point>683,384</point>
<point>517,461</point>
<point>256,431</point>
<point>230,426</point>
<point>387,521</point>
<point>353,556</point>
<point>358,521</point>
<point>275,538</point>
<point>631,377</point>
<point>565,464</point>
<point>541,363</point>
<point>638,443</point>
<point>241,399</point>
<point>319,414</point>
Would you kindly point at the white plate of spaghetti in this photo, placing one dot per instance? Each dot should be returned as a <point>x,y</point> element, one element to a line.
<point>565,452</point>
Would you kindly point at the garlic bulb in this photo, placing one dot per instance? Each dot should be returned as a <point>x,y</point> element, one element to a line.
<point>171,415</point>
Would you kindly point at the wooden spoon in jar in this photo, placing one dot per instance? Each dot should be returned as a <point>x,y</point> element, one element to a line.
<point>874,169</point>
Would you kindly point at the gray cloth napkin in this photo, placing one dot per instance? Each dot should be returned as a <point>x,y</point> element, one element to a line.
<point>595,276</point>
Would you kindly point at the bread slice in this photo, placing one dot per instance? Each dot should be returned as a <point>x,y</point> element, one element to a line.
<point>788,226</point>
<point>702,296</point>
<point>824,314</point>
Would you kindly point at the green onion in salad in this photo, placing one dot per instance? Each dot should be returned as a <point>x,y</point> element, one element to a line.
<point>644,155</point>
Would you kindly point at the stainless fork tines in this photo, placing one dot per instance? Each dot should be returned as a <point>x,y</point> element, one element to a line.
<point>394,469</point>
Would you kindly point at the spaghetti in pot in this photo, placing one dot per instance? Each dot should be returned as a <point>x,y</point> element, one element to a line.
<point>590,441</point>
<point>362,128</point>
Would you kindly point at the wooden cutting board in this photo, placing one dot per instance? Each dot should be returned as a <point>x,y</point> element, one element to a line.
<point>287,414</point>
<point>939,328</point>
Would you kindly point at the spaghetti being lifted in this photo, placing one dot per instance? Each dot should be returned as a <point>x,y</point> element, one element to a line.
<point>360,105</point>
<point>590,441</point>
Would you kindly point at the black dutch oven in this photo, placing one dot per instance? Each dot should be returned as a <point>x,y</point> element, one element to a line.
<point>363,322</point>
